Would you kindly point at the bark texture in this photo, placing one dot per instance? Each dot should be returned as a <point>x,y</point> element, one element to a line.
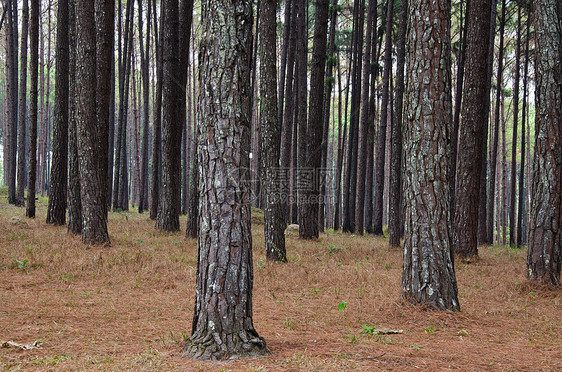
<point>545,256</point>
<point>33,94</point>
<point>56,212</point>
<point>222,320</point>
<point>22,116</point>
<point>274,221</point>
<point>428,274</point>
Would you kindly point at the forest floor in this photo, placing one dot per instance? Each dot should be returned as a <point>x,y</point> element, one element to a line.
<point>128,306</point>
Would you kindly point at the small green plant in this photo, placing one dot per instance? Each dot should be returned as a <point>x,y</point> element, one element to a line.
<point>429,330</point>
<point>463,332</point>
<point>261,263</point>
<point>368,330</point>
<point>315,290</point>
<point>288,323</point>
<point>22,264</point>
<point>416,347</point>
<point>352,339</point>
<point>342,305</point>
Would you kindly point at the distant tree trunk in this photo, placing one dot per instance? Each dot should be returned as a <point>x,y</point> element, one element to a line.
<point>287,29</point>
<point>351,173</point>
<point>145,54</point>
<point>482,203</point>
<point>222,319</point>
<point>381,139</point>
<point>111,135</point>
<point>458,102</point>
<point>342,129</point>
<point>22,116</point>
<point>168,216</point>
<point>308,225</point>
<point>544,258</point>
<point>365,122</point>
<point>301,109</point>
<point>193,212</point>
<point>394,215</point>
<point>12,98</point>
<point>34,71</point>
<point>274,229</point>
<point>472,130</point>
<point>74,202</point>
<point>494,156</point>
<point>512,205</point>
<point>94,228</point>
<point>522,190</point>
<point>56,213</point>
<point>502,210</point>
<point>429,275</point>
<point>156,126</point>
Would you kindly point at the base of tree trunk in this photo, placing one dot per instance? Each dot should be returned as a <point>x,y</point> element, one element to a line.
<point>215,346</point>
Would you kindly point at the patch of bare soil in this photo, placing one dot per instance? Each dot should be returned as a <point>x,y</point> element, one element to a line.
<point>129,306</point>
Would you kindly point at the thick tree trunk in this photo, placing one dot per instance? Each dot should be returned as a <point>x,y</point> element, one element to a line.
<point>22,116</point>
<point>471,130</point>
<point>34,71</point>
<point>56,213</point>
<point>544,258</point>
<point>222,319</point>
<point>274,229</point>
<point>156,179</point>
<point>394,215</point>
<point>74,201</point>
<point>429,275</point>
<point>308,225</point>
<point>94,226</point>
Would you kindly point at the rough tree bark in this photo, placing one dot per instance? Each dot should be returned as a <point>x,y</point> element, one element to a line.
<point>34,71</point>
<point>56,212</point>
<point>274,229</point>
<point>156,178</point>
<point>469,160</point>
<point>513,190</point>
<point>94,217</point>
<point>222,319</point>
<point>428,274</point>
<point>145,53</point>
<point>12,97</point>
<point>394,215</point>
<point>544,258</point>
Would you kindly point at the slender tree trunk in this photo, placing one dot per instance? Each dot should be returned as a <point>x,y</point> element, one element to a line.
<point>22,116</point>
<point>365,122</point>
<point>90,141</point>
<point>494,156</point>
<point>274,229</point>
<point>193,212</point>
<point>287,29</point>
<point>469,161</point>
<point>56,213</point>
<point>47,115</point>
<point>157,129</point>
<point>394,220</point>
<point>381,140</point>
<point>34,71</point>
<point>522,190</point>
<point>145,58</point>
<point>225,329</point>
<point>512,205</point>
<point>41,116</point>
<point>74,201</point>
<point>544,258</point>
<point>429,275</point>
<point>342,130</point>
<point>12,98</point>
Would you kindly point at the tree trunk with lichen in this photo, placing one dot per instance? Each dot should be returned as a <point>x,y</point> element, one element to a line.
<point>471,130</point>
<point>222,320</point>
<point>544,258</point>
<point>428,275</point>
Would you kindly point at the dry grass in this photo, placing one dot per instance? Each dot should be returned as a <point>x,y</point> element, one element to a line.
<point>129,306</point>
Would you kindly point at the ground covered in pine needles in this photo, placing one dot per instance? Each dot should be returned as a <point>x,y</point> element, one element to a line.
<point>129,306</point>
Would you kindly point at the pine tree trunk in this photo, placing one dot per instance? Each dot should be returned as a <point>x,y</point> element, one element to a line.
<point>394,218</point>
<point>512,205</point>
<point>156,179</point>
<point>471,130</point>
<point>12,98</point>
<point>56,213</point>
<point>222,320</point>
<point>145,58</point>
<point>193,212</point>
<point>22,116</point>
<point>544,258</point>
<point>74,201</point>
<point>429,275</point>
<point>94,229</point>
<point>522,171</point>
<point>33,94</point>
<point>342,131</point>
<point>274,229</point>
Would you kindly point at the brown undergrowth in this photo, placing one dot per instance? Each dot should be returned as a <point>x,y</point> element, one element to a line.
<point>129,306</point>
